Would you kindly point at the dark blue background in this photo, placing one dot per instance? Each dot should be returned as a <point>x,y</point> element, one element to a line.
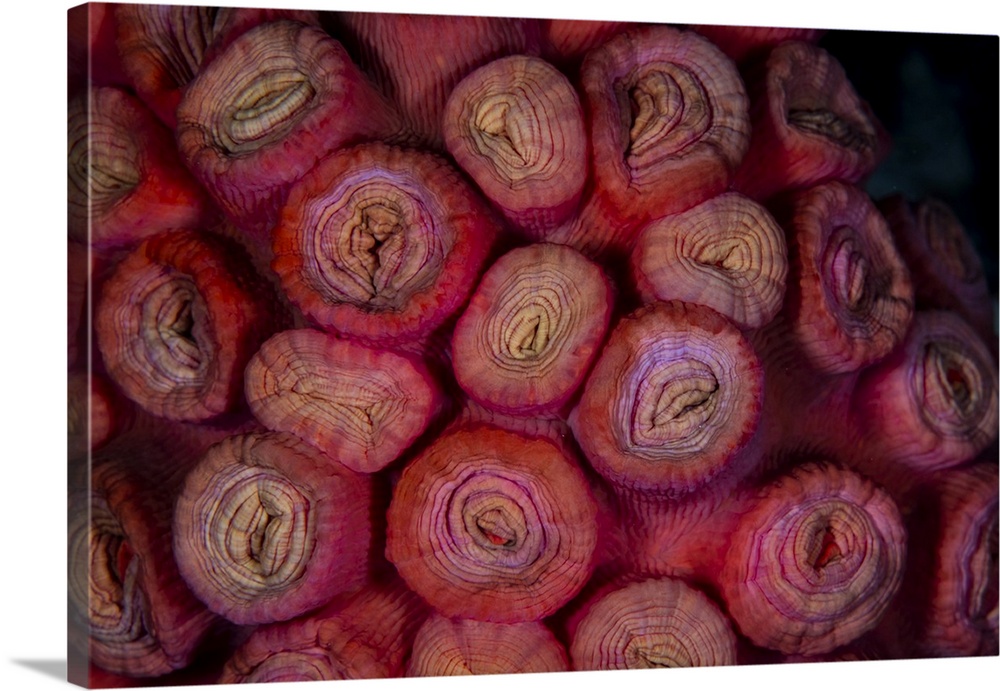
<point>938,96</point>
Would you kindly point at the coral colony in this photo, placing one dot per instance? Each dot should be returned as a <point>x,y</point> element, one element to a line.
<point>538,346</point>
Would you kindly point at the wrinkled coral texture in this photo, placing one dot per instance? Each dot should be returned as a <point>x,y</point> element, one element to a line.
<point>490,345</point>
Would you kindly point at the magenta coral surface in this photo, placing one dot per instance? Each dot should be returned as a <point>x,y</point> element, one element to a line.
<point>407,345</point>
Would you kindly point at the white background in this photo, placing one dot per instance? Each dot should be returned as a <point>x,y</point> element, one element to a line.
<point>33,346</point>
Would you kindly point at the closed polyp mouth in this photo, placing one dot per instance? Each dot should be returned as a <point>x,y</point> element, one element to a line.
<point>104,164</point>
<point>675,407</point>
<point>530,325</point>
<point>501,136</point>
<point>376,244</point>
<point>667,109</point>
<point>173,328</point>
<point>260,528</point>
<point>377,236</point>
<point>114,602</point>
<point>729,256</point>
<point>643,653</point>
<point>685,403</point>
<point>265,108</point>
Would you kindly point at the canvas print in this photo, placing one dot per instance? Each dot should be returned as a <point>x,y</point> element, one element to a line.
<point>419,345</point>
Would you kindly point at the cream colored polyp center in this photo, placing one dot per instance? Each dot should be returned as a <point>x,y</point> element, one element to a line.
<point>531,320</point>
<point>672,404</point>
<point>668,110</point>
<point>505,133</point>
<point>529,334</point>
<point>260,531</point>
<point>172,331</point>
<point>376,241</point>
<point>651,651</point>
<point>731,256</point>
<point>104,163</point>
<point>113,600</point>
<point>266,108</point>
<point>376,234</point>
